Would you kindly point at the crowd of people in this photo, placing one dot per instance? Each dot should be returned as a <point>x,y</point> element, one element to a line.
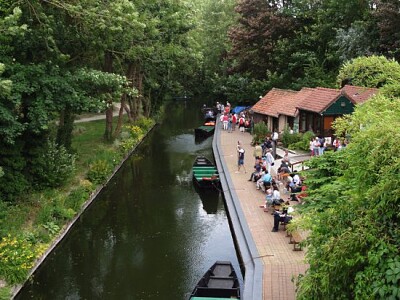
<point>230,120</point>
<point>265,178</point>
<point>319,144</point>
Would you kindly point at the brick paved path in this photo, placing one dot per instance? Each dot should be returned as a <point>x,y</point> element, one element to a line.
<point>281,263</point>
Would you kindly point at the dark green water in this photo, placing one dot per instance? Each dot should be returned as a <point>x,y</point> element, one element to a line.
<point>149,234</point>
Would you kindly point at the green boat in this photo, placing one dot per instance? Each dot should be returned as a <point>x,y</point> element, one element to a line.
<point>204,131</point>
<point>205,173</point>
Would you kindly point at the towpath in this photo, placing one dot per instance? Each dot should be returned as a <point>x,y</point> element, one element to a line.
<point>280,262</point>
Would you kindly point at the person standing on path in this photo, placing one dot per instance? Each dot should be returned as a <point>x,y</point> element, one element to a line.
<point>241,159</point>
<point>225,120</point>
<point>270,160</point>
<point>234,121</point>
<point>257,152</point>
<point>241,123</point>
<point>230,123</point>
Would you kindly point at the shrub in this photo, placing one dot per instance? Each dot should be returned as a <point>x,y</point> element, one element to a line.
<point>78,196</point>
<point>54,166</point>
<point>136,132</point>
<point>17,257</point>
<point>12,185</point>
<point>52,228</point>
<point>260,130</point>
<point>304,143</point>
<point>288,138</point>
<point>98,171</point>
<point>145,123</point>
<point>126,145</point>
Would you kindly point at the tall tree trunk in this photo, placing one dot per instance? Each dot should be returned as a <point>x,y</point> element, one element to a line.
<point>108,67</point>
<point>135,77</point>
<point>147,105</point>
<point>109,121</point>
<point>123,107</point>
<point>65,127</point>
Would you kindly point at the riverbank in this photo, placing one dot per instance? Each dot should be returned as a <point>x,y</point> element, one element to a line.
<point>50,215</point>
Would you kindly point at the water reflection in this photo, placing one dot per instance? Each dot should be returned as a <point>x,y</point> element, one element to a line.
<point>209,198</point>
<point>149,234</point>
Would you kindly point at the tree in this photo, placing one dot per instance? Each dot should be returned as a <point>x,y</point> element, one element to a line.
<point>353,218</point>
<point>387,16</point>
<point>373,71</point>
<point>355,41</point>
<point>213,20</point>
<point>261,25</point>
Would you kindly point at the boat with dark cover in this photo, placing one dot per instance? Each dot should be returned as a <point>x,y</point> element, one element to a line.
<point>219,282</point>
<point>205,173</point>
<point>204,131</point>
<point>210,113</point>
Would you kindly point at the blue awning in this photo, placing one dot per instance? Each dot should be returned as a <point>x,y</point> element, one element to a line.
<point>238,109</point>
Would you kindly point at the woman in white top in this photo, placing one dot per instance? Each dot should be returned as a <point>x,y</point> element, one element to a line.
<point>270,160</point>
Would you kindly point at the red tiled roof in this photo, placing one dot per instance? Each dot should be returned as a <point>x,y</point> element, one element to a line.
<point>287,102</point>
<point>319,99</point>
<point>358,94</point>
<point>276,102</point>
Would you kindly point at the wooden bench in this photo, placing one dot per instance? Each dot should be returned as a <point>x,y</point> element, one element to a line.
<point>295,238</point>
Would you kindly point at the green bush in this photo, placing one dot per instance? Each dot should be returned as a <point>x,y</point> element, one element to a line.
<point>78,196</point>
<point>12,185</point>
<point>260,131</point>
<point>304,143</point>
<point>99,171</point>
<point>145,123</point>
<point>17,257</point>
<point>52,228</point>
<point>54,166</point>
<point>288,138</point>
<point>135,132</point>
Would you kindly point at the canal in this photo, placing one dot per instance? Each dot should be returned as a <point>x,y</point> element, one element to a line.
<point>149,234</point>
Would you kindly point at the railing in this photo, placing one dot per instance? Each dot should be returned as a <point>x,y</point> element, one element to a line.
<point>301,162</point>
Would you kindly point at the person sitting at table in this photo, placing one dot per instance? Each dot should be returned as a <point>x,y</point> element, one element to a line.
<point>282,170</point>
<point>294,187</point>
<point>284,216</point>
<point>302,194</point>
<point>265,180</point>
<point>273,197</point>
<point>256,174</point>
<point>286,157</point>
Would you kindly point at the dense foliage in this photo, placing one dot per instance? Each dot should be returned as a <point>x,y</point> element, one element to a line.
<point>292,44</point>
<point>60,59</point>
<point>353,210</point>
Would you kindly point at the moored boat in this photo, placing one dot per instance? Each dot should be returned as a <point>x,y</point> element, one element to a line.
<point>205,173</point>
<point>219,282</point>
<point>210,114</point>
<point>205,130</point>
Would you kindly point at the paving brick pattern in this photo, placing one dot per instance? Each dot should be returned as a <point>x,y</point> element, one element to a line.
<point>281,263</point>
